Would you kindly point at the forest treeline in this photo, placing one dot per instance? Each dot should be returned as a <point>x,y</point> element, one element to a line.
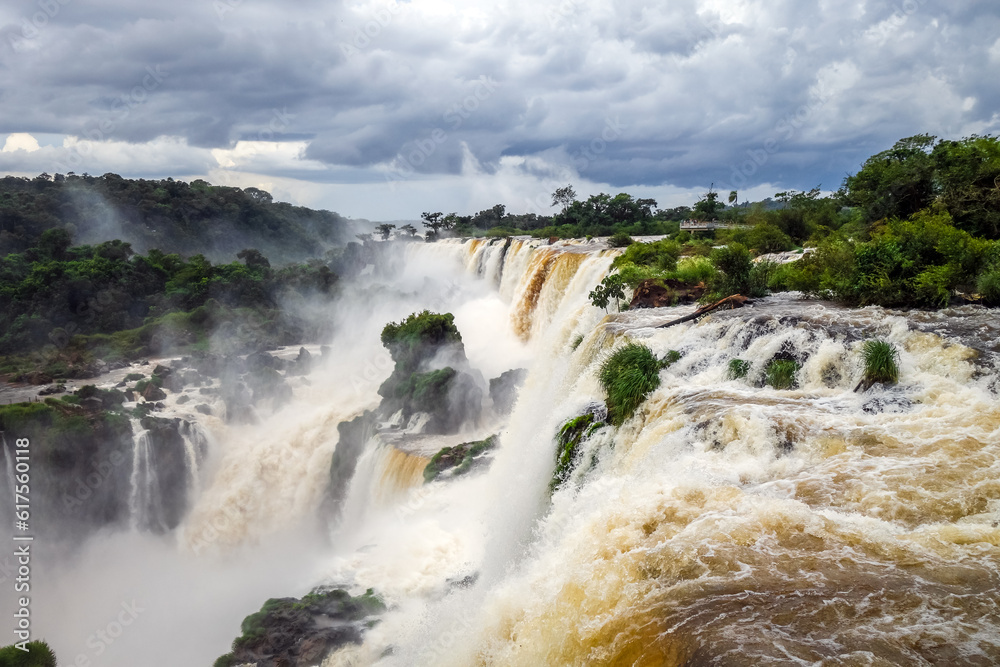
<point>917,225</point>
<point>172,216</point>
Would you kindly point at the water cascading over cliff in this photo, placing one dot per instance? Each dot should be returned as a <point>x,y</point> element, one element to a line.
<point>726,522</point>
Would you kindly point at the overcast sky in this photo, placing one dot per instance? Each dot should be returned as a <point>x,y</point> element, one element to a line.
<point>384,110</point>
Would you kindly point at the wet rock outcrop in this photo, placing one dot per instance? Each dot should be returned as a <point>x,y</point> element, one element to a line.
<point>292,632</point>
<point>504,389</point>
<point>431,374</point>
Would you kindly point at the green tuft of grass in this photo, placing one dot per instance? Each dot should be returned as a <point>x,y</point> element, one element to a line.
<point>780,373</point>
<point>628,376</point>
<point>881,362</point>
<point>671,358</point>
<point>576,342</point>
<point>571,435</point>
<point>738,369</point>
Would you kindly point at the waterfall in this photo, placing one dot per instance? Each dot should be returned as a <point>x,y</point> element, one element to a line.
<point>145,501</point>
<point>196,446</point>
<point>726,520</point>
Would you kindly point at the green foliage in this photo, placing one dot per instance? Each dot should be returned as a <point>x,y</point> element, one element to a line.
<point>738,369</point>
<point>132,377</point>
<point>628,376</point>
<point>671,358</point>
<point>426,392</point>
<point>16,417</point>
<point>738,274</point>
<point>169,214</point>
<point>988,286</point>
<point>412,339</point>
<point>39,654</point>
<point>576,342</point>
<point>612,287</point>
<point>881,362</point>
<point>767,237</point>
<point>100,292</point>
<point>571,435</point>
<point>227,660</point>
<point>661,255</point>
<point>694,270</point>
<point>780,373</point>
<point>619,240</point>
<point>920,261</point>
<point>459,459</point>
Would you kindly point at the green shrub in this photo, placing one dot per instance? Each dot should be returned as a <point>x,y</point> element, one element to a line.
<point>39,654</point>
<point>694,270</point>
<point>881,362</point>
<point>988,286</point>
<point>738,369</point>
<point>418,336</point>
<point>576,342</point>
<point>628,376</point>
<point>133,377</point>
<point>661,255</point>
<point>780,373</point>
<point>227,660</point>
<point>735,264</point>
<point>620,240</point>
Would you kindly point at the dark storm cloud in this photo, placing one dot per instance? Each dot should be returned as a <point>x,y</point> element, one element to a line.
<point>696,91</point>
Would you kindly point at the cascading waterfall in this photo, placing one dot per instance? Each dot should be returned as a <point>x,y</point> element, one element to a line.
<point>196,444</point>
<point>726,522</point>
<point>145,502</point>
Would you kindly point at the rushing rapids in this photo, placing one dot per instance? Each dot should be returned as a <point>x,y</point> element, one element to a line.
<point>724,523</point>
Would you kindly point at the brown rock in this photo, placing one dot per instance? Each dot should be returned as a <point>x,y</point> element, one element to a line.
<point>153,393</point>
<point>652,293</point>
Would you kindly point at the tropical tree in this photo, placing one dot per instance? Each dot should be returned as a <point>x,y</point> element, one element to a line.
<point>385,230</point>
<point>563,197</point>
<point>709,206</point>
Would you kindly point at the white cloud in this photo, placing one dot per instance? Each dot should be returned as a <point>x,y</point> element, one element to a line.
<point>20,141</point>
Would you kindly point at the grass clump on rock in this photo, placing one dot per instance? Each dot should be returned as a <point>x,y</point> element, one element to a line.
<point>571,434</point>
<point>780,373</point>
<point>738,369</point>
<point>628,376</point>
<point>881,363</point>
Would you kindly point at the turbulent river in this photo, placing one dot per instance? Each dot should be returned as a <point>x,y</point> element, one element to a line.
<point>725,523</point>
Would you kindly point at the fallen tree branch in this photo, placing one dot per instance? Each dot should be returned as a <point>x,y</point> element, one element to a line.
<point>733,301</point>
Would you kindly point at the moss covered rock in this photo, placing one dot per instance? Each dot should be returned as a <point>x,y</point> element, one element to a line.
<point>291,631</point>
<point>454,461</point>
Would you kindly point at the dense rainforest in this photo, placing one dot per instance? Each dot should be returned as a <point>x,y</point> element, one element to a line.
<point>114,269</point>
<point>171,216</point>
